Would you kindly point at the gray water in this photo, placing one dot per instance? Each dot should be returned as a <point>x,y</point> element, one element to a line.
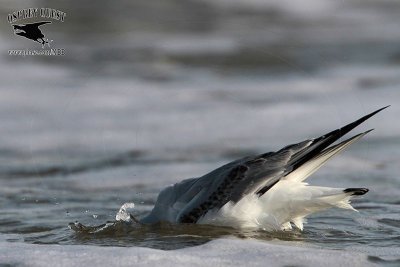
<point>150,93</point>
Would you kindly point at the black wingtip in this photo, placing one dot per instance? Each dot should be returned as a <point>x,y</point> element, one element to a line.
<point>386,107</point>
<point>336,134</point>
<point>376,111</point>
<point>354,124</point>
<point>356,191</point>
<point>326,140</point>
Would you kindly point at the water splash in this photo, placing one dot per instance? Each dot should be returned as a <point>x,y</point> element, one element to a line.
<point>123,220</point>
<point>123,213</point>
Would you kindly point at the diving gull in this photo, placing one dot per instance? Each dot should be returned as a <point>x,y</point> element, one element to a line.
<point>266,191</point>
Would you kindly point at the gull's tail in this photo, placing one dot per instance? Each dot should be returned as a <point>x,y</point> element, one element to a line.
<point>291,199</point>
<point>284,205</point>
<point>298,200</point>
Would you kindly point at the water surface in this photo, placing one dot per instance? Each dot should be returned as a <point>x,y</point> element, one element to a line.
<point>145,101</point>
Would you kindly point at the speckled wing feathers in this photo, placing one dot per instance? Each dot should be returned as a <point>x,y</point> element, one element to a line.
<point>258,174</point>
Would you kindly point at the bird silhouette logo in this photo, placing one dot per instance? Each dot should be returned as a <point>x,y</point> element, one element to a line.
<point>32,32</point>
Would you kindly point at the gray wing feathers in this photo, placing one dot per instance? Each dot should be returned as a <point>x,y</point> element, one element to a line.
<point>232,182</point>
<point>210,198</point>
<point>253,174</point>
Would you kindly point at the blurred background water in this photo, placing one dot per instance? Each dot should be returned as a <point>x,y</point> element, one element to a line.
<point>152,92</point>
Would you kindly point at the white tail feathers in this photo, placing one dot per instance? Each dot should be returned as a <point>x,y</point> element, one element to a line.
<point>287,203</point>
<point>291,201</point>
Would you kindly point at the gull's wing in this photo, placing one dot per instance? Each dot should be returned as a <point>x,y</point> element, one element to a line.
<point>230,183</point>
<point>254,174</point>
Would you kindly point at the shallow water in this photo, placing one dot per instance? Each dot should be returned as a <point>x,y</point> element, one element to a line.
<point>115,122</point>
